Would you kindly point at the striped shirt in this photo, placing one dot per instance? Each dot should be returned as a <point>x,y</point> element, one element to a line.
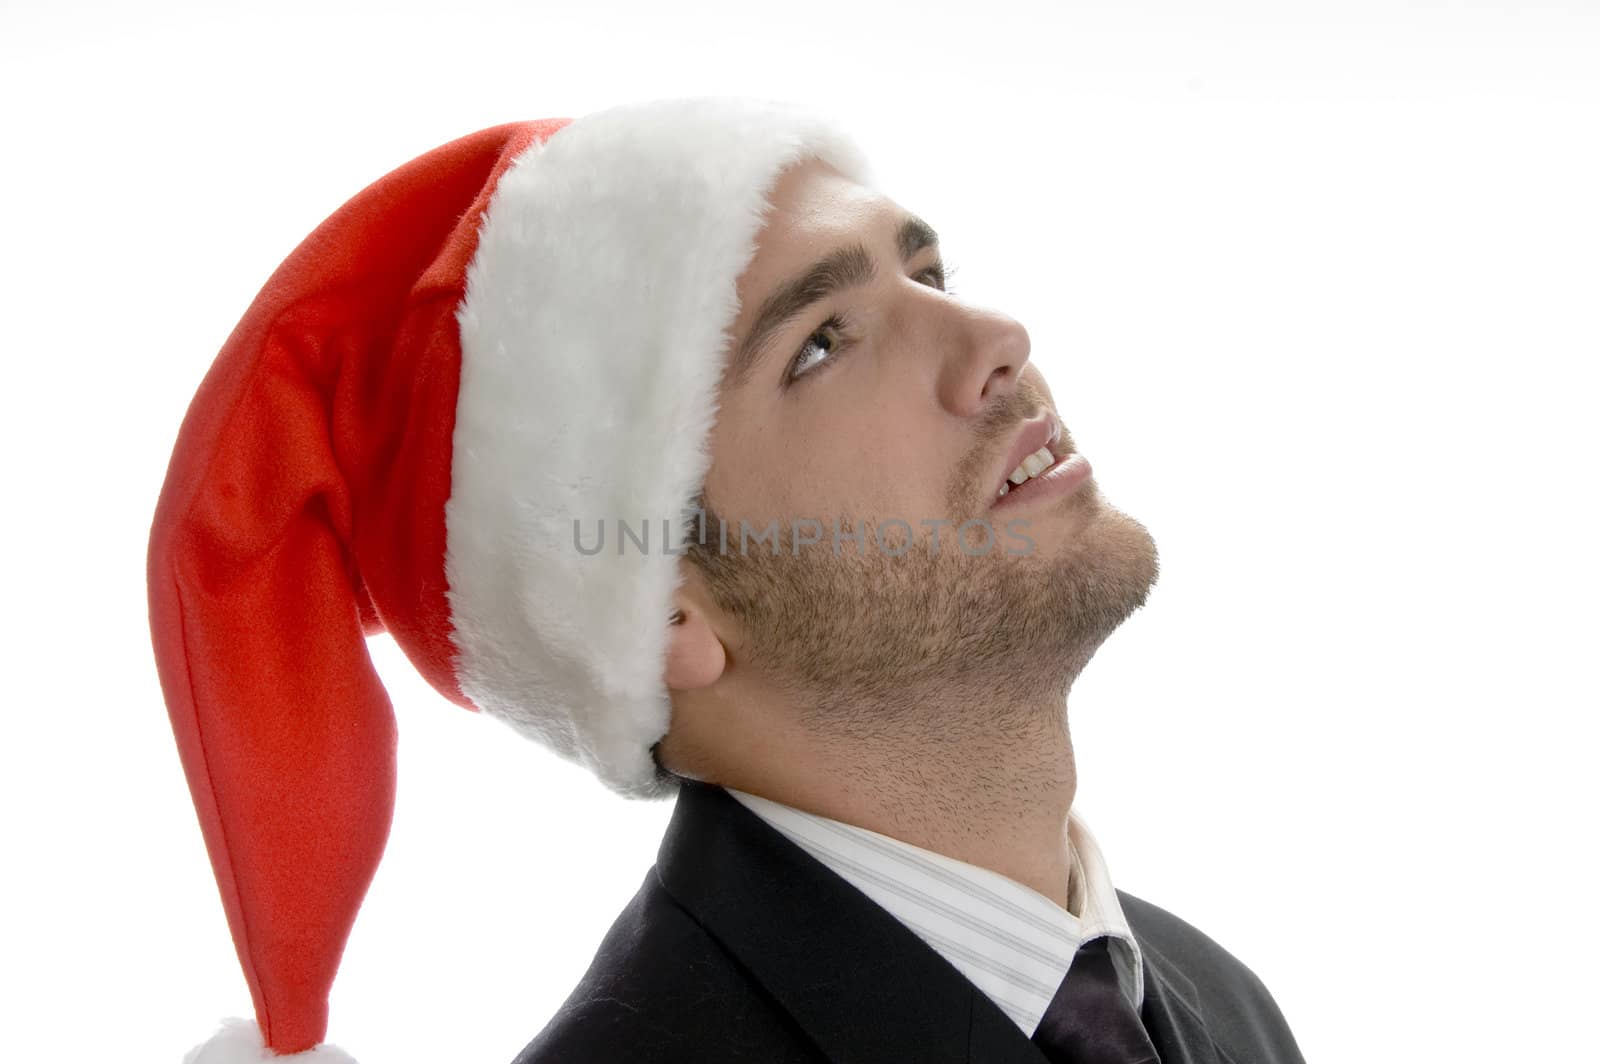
<point>1010,941</point>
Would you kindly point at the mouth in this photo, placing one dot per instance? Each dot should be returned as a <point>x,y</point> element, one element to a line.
<point>1040,461</point>
<point>1036,447</point>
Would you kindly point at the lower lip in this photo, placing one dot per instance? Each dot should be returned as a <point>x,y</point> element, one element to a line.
<point>1058,481</point>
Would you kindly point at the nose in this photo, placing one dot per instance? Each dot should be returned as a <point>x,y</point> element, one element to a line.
<point>985,358</point>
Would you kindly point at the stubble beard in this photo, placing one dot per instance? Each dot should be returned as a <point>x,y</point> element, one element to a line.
<point>869,645</point>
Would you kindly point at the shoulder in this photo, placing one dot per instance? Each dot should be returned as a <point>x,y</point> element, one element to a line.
<point>1235,1002</point>
<point>660,989</point>
<point>1191,950</point>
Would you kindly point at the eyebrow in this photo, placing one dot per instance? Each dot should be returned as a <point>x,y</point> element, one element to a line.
<point>846,267</point>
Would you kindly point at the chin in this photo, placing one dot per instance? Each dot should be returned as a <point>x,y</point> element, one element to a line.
<point>1087,533</point>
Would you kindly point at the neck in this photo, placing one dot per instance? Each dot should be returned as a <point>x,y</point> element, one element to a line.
<point>989,785</point>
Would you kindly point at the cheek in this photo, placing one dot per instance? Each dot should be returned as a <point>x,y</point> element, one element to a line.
<point>880,466</point>
<point>760,471</point>
<point>859,455</point>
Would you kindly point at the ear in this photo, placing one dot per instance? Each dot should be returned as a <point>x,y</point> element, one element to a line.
<point>695,655</point>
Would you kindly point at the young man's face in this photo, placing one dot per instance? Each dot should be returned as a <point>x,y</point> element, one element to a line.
<point>890,406</point>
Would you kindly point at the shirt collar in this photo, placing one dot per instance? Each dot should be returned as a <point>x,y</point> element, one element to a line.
<point>1099,911</point>
<point>1012,942</point>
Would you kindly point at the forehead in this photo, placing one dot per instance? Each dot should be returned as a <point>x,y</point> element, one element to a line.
<point>814,209</point>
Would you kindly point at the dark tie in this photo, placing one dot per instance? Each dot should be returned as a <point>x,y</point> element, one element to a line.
<point>1089,1021</point>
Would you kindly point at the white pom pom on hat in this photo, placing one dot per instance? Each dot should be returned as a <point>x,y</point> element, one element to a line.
<point>519,328</point>
<point>240,1042</point>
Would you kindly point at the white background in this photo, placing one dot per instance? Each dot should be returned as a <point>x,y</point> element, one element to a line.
<point>1315,287</point>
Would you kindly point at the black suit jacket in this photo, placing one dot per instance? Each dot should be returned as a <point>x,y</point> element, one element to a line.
<point>740,946</point>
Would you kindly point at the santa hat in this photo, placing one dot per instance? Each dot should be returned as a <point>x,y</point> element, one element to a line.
<point>520,328</point>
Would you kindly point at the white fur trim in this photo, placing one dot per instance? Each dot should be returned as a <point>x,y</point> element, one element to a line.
<point>597,310</point>
<point>240,1042</point>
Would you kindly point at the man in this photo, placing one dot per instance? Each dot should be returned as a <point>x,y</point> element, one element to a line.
<point>833,694</point>
<point>702,305</point>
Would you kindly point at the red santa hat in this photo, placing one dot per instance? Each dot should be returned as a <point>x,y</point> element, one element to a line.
<point>520,328</point>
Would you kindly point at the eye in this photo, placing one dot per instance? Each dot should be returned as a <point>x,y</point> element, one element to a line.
<point>831,330</point>
<point>941,274</point>
<point>836,330</point>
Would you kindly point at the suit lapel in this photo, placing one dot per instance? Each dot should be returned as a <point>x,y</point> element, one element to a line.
<point>861,984</point>
<point>1171,1012</point>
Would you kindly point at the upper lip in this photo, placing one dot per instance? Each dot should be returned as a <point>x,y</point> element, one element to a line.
<point>1041,430</point>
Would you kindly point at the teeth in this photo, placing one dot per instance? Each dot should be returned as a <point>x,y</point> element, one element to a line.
<point>1031,466</point>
